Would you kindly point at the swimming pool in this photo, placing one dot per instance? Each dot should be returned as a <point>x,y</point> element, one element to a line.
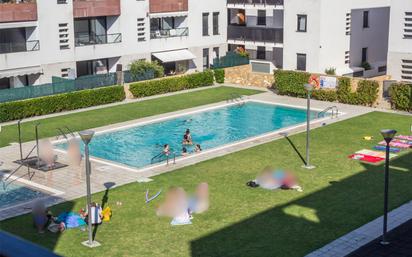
<point>15,193</point>
<point>136,146</point>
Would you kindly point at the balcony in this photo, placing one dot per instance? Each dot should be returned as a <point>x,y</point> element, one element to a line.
<point>167,33</point>
<point>15,47</point>
<point>162,6</point>
<point>95,8</point>
<point>82,39</point>
<point>10,11</point>
<point>263,35</point>
<point>256,2</point>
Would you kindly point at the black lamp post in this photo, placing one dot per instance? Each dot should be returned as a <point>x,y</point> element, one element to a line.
<point>309,89</point>
<point>388,135</point>
<point>87,136</point>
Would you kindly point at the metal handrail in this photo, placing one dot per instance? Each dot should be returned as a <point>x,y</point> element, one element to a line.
<point>18,168</point>
<point>15,47</point>
<point>83,39</point>
<point>334,110</point>
<point>255,2</point>
<point>167,157</point>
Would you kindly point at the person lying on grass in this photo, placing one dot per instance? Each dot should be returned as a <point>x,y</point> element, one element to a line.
<point>272,180</point>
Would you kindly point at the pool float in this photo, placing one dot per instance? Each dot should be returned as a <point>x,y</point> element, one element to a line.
<point>314,80</point>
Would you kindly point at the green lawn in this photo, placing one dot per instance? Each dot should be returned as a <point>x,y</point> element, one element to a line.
<point>120,113</point>
<point>339,196</point>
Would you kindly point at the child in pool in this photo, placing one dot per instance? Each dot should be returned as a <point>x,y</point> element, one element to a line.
<point>198,149</point>
<point>184,151</point>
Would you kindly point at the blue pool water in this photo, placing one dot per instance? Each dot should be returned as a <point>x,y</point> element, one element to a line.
<point>15,194</point>
<point>136,146</point>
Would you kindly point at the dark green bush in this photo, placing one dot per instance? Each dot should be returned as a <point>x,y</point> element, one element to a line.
<point>61,102</point>
<point>401,96</point>
<point>141,67</point>
<point>172,84</point>
<point>367,92</point>
<point>291,83</point>
<point>219,75</point>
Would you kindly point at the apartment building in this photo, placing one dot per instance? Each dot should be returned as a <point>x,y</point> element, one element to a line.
<point>312,35</point>
<point>400,41</point>
<point>73,38</point>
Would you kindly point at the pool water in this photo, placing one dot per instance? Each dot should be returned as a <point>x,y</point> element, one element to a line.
<point>15,194</point>
<point>137,146</point>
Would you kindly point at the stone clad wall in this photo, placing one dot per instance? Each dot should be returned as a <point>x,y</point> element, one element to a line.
<point>243,75</point>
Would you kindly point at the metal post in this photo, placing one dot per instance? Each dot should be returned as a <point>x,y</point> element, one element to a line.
<point>385,202</point>
<point>20,144</point>
<point>37,144</point>
<point>89,197</point>
<point>307,164</point>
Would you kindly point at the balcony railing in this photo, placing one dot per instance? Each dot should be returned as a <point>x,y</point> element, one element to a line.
<point>10,11</point>
<point>265,35</point>
<point>166,33</point>
<point>28,46</point>
<point>84,39</point>
<point>95,8</point>
<point>256,2</point>
<point>159,6</point>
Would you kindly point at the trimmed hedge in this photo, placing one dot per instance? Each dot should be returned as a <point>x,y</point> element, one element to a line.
<point>172,84</point>
<point>219,75</point>
<point>61,102</point>
<point>292,83</point>
<point>401,96</point>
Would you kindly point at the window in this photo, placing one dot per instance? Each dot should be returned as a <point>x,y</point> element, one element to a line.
<point>261,53</point>
<point>206,58</point>
<point>366,19</point>
<point>215,23</point>
<point>261,17</point>
<point>205,24</point>
<point>364,54</point>
<point>301,62</point>
<point>61,1</point>
<point>302,23</point>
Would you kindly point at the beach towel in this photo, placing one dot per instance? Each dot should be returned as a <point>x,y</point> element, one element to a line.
<point>403,137</point>
<point>366,158</point>
<point>396,144</point>
<point>375,153</point>
<point>183,219</point>
<point>71,220</point>
<point>383,148</point>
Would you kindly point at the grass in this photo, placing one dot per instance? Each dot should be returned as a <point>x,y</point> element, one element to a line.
<point>339,196</point>
<point>120,113</point>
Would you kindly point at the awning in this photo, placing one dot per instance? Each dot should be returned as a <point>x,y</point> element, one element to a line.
<point>174,56</point>
<point>20,24</point>
<point>167,14</point>
<point>20,71</point>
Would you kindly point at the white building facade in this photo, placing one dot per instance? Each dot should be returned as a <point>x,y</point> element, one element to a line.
<point>400,41</point>
<point>65,38</point>
<point>313,35</point>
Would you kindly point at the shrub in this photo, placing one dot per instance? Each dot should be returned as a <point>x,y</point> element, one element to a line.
<point>61,102</point>
<point>344,90</point>
<point>325,95</point>
<point>401,96</point>
<point>141,67</point>
<point>367,92</point>
<point>366,65</point>
<point>330,71</point>
<point>172,84</point>
<point>219,75</point>
<point>291,83</point>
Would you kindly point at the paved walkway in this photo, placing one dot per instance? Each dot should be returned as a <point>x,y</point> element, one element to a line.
<point>366,234</point>
<point>400,244</point>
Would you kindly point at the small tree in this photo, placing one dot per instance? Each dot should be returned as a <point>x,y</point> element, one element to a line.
<point>141,68</point>
<point>330,71</point>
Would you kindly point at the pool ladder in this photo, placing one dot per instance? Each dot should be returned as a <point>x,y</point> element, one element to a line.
<point>334,109</point>
<point>64,134</point>
<point>162,154</point>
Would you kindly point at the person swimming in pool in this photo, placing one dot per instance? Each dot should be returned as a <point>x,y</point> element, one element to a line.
<point>198,148</point>
<point>187,138</point>
<point>184,151</point>
<point>166,149</point>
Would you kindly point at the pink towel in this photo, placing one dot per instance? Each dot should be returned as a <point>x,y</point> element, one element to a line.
<point>397,144</point>
<point>409,138</point>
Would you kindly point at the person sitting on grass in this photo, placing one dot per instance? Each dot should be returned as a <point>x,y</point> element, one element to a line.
<point>198,149</point>
<point>175,206</point>
<point>199,203</point>
<point>41,216</point>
